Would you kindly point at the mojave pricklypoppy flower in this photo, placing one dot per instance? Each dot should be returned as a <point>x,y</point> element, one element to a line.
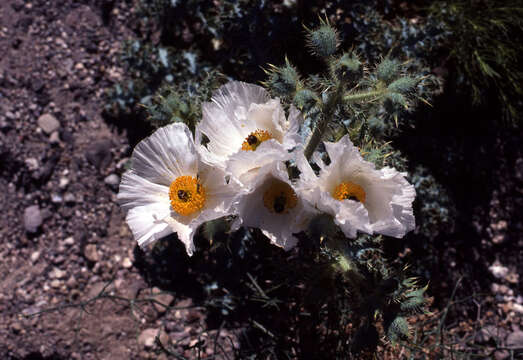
<point>246,129</point>
<point>359,197</point>
<point>169,189</point>
<point>271,204</point>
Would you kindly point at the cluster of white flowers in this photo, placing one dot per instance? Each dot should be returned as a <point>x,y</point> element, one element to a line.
<point>176,184</point>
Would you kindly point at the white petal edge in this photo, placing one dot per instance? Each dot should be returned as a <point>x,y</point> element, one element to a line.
<point>165,155</point>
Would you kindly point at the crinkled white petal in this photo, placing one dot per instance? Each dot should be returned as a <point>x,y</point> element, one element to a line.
<point>149,222</point>
<point>279,228</point>
<point>165,155</point>
<point>237,110</point>
<point>225,121</point>
<point>144,191</point>
<point>137,191</point>
<point>397,218</point>
<point>242,162</point>
<point>291,137</point>
<point>388,205</point>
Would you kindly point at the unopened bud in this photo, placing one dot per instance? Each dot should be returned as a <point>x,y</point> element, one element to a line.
<point>323,41</point>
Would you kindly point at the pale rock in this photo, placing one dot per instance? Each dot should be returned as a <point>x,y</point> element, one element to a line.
<point>34,256</point>
<point>32,219</point>
<point>515,340</point>
<point>163,299</point>
<point>57,273</point>
<point>56,198</point>
<point>54,138</point>
<point>32,163</point>
<point>48,123</point>
<point>147,336</point>
<point>91,253</point>
<point>63,183</point>
<point>127,263</point>
<point>69,198</point>
<point>499,271</point>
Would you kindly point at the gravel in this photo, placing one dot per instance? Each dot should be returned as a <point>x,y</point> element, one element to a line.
<point>32,219</point>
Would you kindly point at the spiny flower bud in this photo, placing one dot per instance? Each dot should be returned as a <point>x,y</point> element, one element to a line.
<point>305,99</point>
<point>403,85</point>
<point>283,81</point>
<point>398,329</point>
<point>323,41</point>
<point>347,68</point>
<point>388,70</point>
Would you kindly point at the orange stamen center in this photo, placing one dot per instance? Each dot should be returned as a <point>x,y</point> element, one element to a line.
<point>349,190</point>
<point>187,195</point>
<point>280,197</point>
<point>255,139</point>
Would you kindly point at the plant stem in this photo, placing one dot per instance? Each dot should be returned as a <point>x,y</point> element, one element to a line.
<point>321,126</point>
<point>328,111</point>
<point>364,95</point>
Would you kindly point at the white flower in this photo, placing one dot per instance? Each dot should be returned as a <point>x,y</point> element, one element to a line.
<point>169,189</point>
<point>271,204</point>
<point>246,129</point>
<point>356,194</point>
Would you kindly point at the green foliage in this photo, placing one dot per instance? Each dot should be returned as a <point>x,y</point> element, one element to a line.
<point>398,329</point>
<point>403,85</point>
<point>435,212</point>
<point>323,41</point>
<point>388,70</point>
<point>484,42</point>
<point>347,67</point>
<point>284,81</point>
<point>306,99</point>
<point>181,103</point>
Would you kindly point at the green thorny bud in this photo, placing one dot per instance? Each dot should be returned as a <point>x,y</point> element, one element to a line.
<point>306,99</point>
<point>414,301</point>
<point>284,80</point>
<point>398,329</point>
<point>323,41</point>
<point>347,68</point>
<point>388,70</point>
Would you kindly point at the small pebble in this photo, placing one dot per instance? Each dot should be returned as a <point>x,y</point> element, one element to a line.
<point>113,181</point>
<point>69,241</point>
<point>35,255</point>
<point>127,263</point>
<point>69,198</point>
<point>32,219</point>
<point>146,338</point>
<point>56,198</point>
<point>91,253</point>
<point>48,123</point>
<point>63,183</point>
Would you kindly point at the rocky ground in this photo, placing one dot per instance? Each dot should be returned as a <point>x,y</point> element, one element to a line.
<point>64,237</point>
<point>60,164</point>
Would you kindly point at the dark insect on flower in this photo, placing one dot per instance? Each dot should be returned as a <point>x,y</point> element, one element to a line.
<point>184,195</point>
<point>279,203</point>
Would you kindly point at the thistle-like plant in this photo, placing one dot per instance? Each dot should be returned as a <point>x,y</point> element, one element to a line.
<point>351,100</point>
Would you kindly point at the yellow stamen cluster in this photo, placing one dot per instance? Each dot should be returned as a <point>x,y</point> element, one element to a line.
<point>187,195</point>
<point>280,197</point>
<point>255,139</point>
<point>349,190</point>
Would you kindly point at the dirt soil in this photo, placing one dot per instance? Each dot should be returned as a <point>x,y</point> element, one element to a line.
<point>64,237</point>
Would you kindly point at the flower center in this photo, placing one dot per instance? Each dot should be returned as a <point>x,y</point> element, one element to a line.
<point>187,195</point>
<point>349,190</point>
<point>255,139</point>
<point>280,197</point>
